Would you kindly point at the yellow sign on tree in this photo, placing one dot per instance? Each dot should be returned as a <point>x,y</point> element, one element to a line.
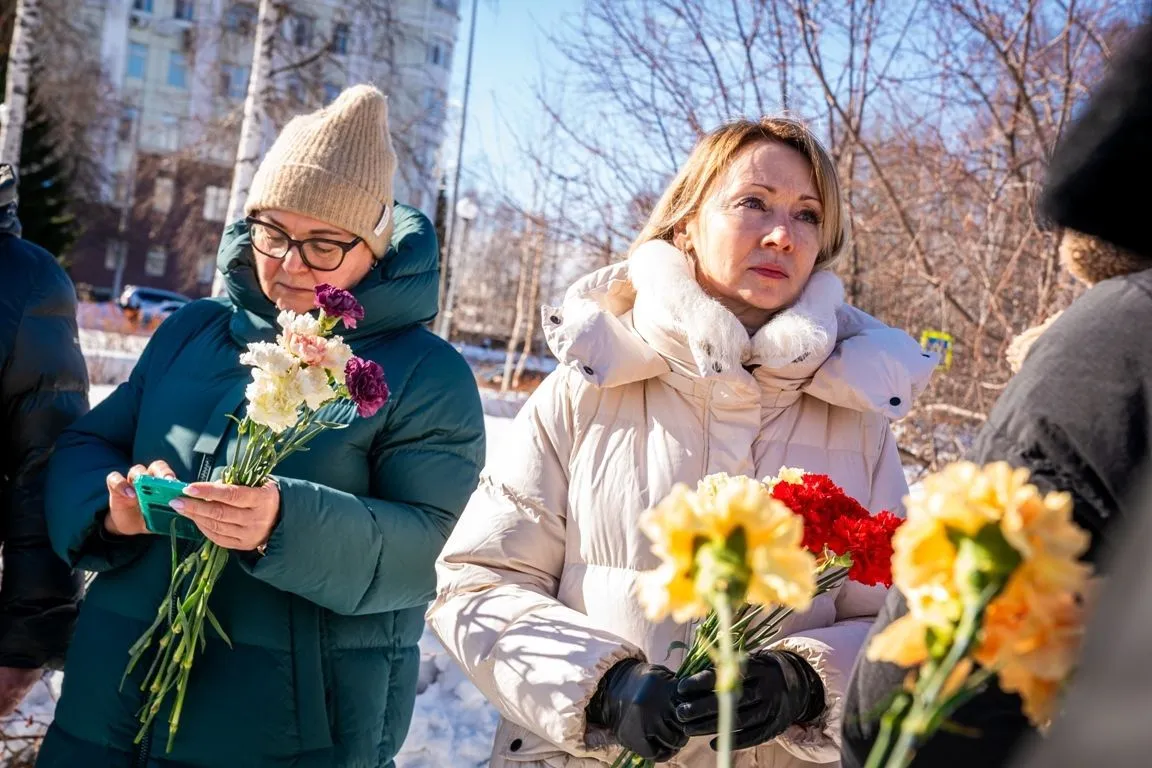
<point>940,343</point>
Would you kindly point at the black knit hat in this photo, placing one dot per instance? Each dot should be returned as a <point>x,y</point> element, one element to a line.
<point>1100,177</point>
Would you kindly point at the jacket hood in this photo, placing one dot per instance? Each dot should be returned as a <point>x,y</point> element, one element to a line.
<point>648,317</point>
<point>402,290</point>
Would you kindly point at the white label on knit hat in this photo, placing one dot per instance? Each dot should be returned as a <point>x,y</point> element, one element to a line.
<point>383,224</point>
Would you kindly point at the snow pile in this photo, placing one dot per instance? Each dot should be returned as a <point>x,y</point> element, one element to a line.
<point>453,724</point>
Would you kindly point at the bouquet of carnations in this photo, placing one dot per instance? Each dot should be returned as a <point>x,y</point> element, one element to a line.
<point>293,380</point>
<point>737,547</point>
<point>991,572</point>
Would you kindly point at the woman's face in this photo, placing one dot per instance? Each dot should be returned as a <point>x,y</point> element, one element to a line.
<point>757,234</point>
<point>289,282</point>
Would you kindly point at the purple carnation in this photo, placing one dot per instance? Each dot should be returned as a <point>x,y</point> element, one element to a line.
<point>337,302</point>
<point>366,385</point>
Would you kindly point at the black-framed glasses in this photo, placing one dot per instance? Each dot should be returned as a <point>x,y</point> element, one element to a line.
<point>319,253</point>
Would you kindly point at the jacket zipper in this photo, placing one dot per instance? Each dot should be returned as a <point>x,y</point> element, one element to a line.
<point>143,752</point>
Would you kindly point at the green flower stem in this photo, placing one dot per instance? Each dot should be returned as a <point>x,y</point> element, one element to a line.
<point>727,680</point>
<point>912,720</point>
<point>705,641</point>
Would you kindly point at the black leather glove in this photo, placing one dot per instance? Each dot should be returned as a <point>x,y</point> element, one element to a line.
<point>635,702</point>
<point>779,688</point>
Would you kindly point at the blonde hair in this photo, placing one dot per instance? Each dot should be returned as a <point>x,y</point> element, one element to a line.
<point>713,156</point>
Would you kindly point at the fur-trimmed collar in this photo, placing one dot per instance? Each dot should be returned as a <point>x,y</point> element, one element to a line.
<point>649,317</point>
<point>672,307</point>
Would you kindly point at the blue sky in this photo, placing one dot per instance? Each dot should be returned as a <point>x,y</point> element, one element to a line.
<point>512,51</point>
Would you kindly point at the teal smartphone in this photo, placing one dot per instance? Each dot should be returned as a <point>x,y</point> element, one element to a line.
<point>155,495</point>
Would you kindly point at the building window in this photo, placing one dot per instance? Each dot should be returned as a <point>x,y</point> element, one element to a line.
<point>156,262</point>
<point>207,270</point>
<point>115,254</point>
<point>163,191</point>
<point>215,204</point>
<point>241,18</point>
<point>439,53</point>
<point>331,92</point>
<point>144,6</point>
<point>234,81</point>
<point>185,10</point>
<point>302,28</point>
<point>169,137</point>
<point>434,105</point>
<point>340,34</point>
<point>128,118</point>
<point>177,69</point>
<point>137,60</point>
<point>446,5</point>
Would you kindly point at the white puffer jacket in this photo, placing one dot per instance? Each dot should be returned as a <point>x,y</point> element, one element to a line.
<point>536,584</point>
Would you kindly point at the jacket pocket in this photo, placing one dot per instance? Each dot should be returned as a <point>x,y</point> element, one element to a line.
<point>312,693</point>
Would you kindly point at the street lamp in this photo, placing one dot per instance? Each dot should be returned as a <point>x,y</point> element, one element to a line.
<point>466,211</point>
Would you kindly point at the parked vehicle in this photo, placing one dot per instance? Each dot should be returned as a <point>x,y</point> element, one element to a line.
<point>148,304</point>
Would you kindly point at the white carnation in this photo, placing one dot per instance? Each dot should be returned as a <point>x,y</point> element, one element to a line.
<point>274,401</point>
<point>271,358</point>
<point>315,388</point>
<point>300,325</point>
<point>336,357</point>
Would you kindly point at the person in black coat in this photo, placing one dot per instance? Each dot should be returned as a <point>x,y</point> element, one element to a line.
<point>1078,413</point>
<point>43,389</point>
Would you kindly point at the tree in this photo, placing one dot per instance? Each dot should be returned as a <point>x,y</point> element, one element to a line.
<point>940,116</point>
<point>45,194</point>
<point>12,114</point>
<point>252,129</point>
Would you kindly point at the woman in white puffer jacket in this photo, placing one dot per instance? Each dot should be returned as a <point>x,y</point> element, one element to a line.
<point>722,345</point>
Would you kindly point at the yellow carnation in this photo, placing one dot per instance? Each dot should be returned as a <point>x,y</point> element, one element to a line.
<point>789,475</point>
<point>697,536</point>
<point>1031,630</point>
<point>710,486</point>
<point>673,527</point>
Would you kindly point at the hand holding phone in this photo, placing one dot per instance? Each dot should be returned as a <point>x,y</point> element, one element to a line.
<point>125,517</point>
<point>155,495</point>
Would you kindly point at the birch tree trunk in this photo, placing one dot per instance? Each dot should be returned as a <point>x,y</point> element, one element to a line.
<point>532,308</point>
<point>518,321</point>
<point>16,89</point>
<point>255,116</point>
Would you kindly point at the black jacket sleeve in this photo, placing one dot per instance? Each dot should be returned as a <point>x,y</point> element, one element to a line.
<point>43,389</point>
<point>1077,416</point>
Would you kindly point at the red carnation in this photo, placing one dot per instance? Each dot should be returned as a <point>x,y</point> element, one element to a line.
<point>836,522</point>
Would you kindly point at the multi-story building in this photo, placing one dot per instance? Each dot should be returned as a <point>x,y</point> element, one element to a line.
<point>179,71</point>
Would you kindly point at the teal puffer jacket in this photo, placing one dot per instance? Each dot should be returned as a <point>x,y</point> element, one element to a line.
<point>326,625</point>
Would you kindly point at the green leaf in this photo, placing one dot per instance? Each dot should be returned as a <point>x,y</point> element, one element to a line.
<point>219,629</point>
<point>678,645</point>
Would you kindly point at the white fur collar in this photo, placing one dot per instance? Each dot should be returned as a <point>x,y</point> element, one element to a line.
<point>668,296</point>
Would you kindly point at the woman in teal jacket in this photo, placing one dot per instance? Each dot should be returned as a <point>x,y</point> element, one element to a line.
<point>324,596</point>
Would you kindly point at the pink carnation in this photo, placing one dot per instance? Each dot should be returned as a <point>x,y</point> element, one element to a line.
<point>312,350</point>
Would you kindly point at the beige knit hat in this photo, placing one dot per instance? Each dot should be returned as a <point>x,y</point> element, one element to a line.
<point>336,165</point>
